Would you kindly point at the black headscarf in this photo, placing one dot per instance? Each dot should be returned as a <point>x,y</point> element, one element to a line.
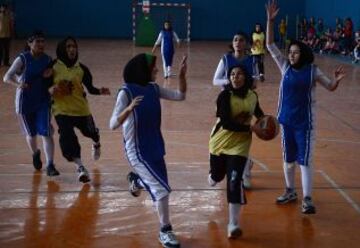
<point>62,54</point>
<point>306,54</point>
<point>242,92</point>
<point>138,70</point>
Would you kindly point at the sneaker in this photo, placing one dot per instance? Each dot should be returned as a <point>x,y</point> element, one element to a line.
<point>211,182</point>
<point>247,182</point>
<point>51,171</point>
<point>289,196</point>
<point>308,206</point>
<point>167,238</point>
<point>262,78</point>
<point>234,231</point>
<point>134,186</point>
<point>37,160</point>
<point>83,174</point>
<point>96,151</point>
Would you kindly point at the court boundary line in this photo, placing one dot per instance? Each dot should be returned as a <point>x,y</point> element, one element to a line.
<point>339,190</point>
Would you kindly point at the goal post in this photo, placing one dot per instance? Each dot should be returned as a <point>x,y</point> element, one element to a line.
<point>147,25</point>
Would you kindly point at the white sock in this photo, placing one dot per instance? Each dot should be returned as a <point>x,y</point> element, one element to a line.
<point>307,179</point>
<point>32,143</point>
<point>78,162</point>
<point>168,71</point>
<point>165,69</point>
<point>234,213</point>
<point>289,172</point>
<point>247,169</point>
<point>48,145</point>
<point>162,207</point>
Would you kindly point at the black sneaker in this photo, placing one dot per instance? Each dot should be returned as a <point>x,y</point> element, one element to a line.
<point>83,174</point>
<point>308,206</point>
<point>289,196</point>
<point>51,171</point>
<point>37,160</point>
<point>134,186</point>
<point>167,238</point>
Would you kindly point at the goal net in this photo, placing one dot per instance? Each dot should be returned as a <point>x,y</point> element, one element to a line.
<point>146,26</point>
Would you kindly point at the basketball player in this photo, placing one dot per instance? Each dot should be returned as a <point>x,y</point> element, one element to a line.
<point>28,73</point>
<point>296,111</point>
<point>258,51</point>
<point>70,106</point>
<point>138,110</point>
<point>237,56</point>
<point>231,138</point>
<point>166,39</point>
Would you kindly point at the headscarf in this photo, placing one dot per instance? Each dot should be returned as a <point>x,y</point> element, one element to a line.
<point>139,69</point>
<point>306,54</point>
<point>241,92</point>
<point>62,54</point>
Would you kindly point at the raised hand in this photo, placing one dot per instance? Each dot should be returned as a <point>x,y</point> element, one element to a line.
<point>271,10</point>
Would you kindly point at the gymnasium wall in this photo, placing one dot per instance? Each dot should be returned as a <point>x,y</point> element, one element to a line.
<point>330,9</point>
<point>211,19</point>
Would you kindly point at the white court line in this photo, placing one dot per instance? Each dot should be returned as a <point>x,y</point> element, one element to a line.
<point>261,164</point>
<point>341,192</point>
<point>339,140</point>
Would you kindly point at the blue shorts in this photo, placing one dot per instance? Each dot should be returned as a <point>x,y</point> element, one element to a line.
<point>297,144</point>
<point>37,123</point>
<point>153,175</point>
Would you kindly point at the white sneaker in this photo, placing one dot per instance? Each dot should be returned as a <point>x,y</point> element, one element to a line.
<point>288,196</point>
<point>211,182</point>
<point>83,174</point>
<point>168,239</point>
<point>234,231</point>
<point>308,206</point>
<point>96,151</point>
<point>134,187</point>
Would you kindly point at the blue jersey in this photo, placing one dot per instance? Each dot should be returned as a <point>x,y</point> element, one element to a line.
<point>168,42</point>
<point>149,143</point>
<point>230,61</point>
<point>33,97</point>
<point>296,99</point>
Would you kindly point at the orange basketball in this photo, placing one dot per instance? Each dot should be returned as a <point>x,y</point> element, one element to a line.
<point>267,127</point>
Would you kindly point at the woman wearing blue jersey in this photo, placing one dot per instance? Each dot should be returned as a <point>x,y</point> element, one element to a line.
<point>296,110</point>
<point>138,111</point>
<point>166,39</point>
<point>237,56</point>
<point>29,73</point>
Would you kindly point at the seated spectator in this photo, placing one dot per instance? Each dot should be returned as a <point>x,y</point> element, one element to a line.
<point>331,46</point>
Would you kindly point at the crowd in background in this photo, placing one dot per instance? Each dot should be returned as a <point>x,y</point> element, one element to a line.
<point>341,39</point>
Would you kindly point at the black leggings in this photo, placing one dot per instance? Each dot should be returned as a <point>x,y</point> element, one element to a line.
<point>69,143</point>
<point>233,167</point>
<point>258,64</point>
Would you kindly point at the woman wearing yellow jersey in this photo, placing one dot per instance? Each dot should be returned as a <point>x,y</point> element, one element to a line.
<point>258,51</point>
<point>70,106</point>
<point>231,138</point>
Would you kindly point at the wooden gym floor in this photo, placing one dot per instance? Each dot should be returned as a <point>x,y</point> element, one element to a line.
<point>36,211</point>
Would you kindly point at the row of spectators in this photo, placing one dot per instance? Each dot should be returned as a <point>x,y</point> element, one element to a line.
<point>340,39</point>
